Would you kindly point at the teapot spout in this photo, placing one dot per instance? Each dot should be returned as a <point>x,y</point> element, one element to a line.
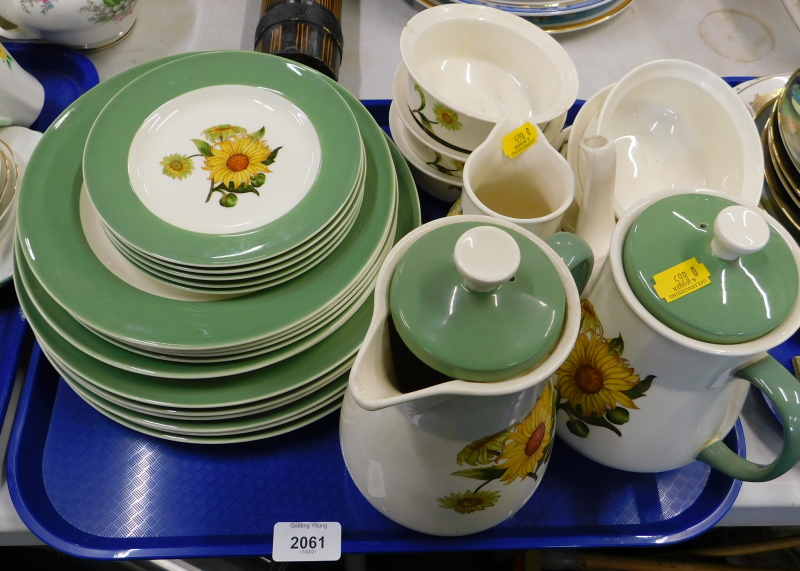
<point>596,219</point>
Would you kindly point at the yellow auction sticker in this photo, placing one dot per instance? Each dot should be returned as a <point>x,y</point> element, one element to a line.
<point>681,280</point>
<point>519,140</point>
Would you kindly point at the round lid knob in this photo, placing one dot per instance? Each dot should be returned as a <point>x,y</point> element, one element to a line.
<point>477,302</point>
<point>738,231</point>
<point>709,268</point>
<point>486,257</point>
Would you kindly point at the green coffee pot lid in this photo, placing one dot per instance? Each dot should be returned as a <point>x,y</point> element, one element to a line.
<point>710,268</point>
<point>477,302</point>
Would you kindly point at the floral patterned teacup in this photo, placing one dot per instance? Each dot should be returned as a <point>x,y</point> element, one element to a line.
<point>21,94</point>
<point>79,24</point>
<point>645,393</point>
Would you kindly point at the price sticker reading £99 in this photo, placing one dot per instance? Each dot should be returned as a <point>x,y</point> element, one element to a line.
<point>307,541</point>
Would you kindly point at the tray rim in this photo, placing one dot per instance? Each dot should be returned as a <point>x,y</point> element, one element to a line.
<point>64,537</point>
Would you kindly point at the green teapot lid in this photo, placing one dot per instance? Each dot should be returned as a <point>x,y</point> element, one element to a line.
<point>477,302</point>
<point>710,268</point>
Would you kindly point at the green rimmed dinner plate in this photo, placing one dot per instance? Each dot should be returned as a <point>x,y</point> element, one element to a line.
<point>59,256</point>
<point>235,439</point>
<point>232,284</point>
<point>211,116</point>
<point>109,365</point>
<point>227,412</point>
<point>257,270</point>
<point>205,427</point>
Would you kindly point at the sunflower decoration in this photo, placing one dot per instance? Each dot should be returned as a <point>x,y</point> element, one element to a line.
<point>177,166</point>
<point>5,57</point>
<point>447,117</point>
<point>237,162</point>
<point>529,445</point>
<point>518,451</point>
<point>596,385</point>
<point>469,502</point>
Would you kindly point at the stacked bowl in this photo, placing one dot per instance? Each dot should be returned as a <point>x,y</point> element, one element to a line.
<point>463,69</point>
<point>201,270</point>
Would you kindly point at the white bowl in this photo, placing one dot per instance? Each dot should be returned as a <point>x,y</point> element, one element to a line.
<point>678,125</point>
<point>427,178</point>
<point>427,148</point>
<point>470,66</point>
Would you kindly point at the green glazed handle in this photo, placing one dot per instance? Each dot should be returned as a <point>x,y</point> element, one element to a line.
<point>783,389</point>
<point>576,253</point>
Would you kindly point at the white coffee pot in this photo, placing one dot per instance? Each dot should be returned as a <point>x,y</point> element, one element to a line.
<point>461,297</point>
<point>697,288</point>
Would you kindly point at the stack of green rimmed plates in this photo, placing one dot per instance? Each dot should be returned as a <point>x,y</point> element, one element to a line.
<point>192,365</point>
<point>212,182</point>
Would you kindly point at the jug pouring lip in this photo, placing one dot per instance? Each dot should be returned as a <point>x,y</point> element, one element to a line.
<point>369,383</point>
<point>778,335</point>
<point>492,151</point>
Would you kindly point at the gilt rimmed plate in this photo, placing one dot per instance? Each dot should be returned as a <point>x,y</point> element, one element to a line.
<point>787,115</point>
<point>536,8</point>
<point>60,258</point>
<point>222,158</point>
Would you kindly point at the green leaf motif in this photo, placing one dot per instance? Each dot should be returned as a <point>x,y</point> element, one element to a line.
<point>258,134</point>
<point>617,345</point>
<point>641,387</point>
<point>245,189</point>
<point>271,158</point>
<point>203,147</point>
<point>418,89</point>
<point>259,180</point>
<point>483,451</point>
<point>112,3</point>
<point>487,474</point>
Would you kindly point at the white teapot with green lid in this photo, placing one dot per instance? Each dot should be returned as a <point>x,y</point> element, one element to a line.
<point>447,423</point>
<point>697,288</point>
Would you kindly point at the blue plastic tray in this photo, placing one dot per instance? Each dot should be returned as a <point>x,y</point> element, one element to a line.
<point>13,334</point>
<point>93,488</point>
<point>64,73</point>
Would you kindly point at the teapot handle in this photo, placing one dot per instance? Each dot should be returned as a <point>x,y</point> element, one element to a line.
<point>576,253</point>
<point>783,389</point>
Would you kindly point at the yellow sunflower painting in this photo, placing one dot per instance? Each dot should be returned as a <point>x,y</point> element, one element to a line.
<point>469,502</point>
<point>595,378</point>
<point>529,444</point>
<point>5,57</point>
<point>517,452</point>
<point>596,385</point>
<point>237,161</point>
<point>447,117</point>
